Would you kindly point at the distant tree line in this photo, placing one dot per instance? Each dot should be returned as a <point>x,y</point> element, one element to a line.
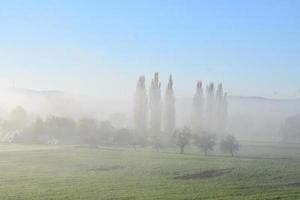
<point>154,121</point>
<point>18,128</point>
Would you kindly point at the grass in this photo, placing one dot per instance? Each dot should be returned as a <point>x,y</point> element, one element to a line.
<point>63,172</point>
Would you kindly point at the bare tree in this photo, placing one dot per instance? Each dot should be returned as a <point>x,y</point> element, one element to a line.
<point>205,142</point>
<point>230,145</point>
<point>182,138</point>
<point>157,143</point>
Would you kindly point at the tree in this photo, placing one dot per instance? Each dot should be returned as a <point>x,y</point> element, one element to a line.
<point>182,138</point>
<point>230,145</point>
<point>169,111</point>
<point>140,106</point>
<point>205,142</point>
<point>62,129</point>
<point>35,133</point>
<point>210,108</point>
<point>126,137</point>
<point>87,129</point>
<point>105,132</point>
<point>197,109</point>
<point>220,109</point>
<point>119,120</point>
<point>157,143</point>
<point>18,118</point>
<point>123,137</point>
<point>155,104</point>
<point>15,125</point>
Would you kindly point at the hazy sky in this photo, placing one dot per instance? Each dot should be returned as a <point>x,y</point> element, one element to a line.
<point>101,47</point>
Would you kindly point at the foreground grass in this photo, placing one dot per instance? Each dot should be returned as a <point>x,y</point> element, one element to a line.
<point>49,172</point>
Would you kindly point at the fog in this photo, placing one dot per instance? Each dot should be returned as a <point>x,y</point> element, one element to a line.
<point>149,99</point>
<point>152,108</point>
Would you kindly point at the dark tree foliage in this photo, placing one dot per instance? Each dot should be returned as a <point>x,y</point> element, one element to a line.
<point>62,129</point>
<point>205,142</point>
<point>87,128</point>
<point>33,134</point>
<point>105,132</point>
<point>123,137</point>
<point>182,138</point>
<point>230,145</point>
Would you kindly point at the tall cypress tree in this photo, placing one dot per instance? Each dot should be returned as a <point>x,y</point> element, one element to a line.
<point>169,111</point>
<point>210,107</point>
<point>141,106</point>
<point>155,105</point>
<point>197,109</point>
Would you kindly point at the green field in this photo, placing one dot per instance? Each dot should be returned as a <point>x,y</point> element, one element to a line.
<point>64,172</point>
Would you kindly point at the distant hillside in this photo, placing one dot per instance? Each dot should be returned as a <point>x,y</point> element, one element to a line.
<point>59,103</point>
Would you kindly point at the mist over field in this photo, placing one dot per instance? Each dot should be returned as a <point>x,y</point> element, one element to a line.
<point>211,145</point>
<point>149,100</point>
<point>249,118</point>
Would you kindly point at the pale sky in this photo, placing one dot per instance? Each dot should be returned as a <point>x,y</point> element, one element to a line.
<point>101,47</point>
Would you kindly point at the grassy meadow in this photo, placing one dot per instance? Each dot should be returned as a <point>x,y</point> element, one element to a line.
<point>260,171</point>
